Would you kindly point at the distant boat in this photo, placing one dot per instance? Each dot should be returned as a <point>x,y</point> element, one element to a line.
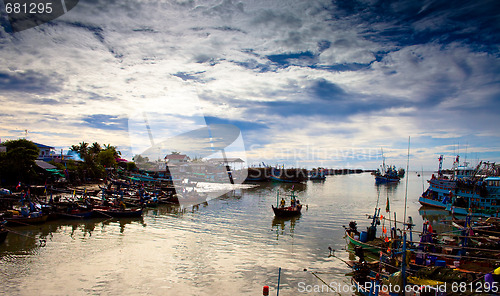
<point>289,175</point>
<point>388,174</point>
<point>317,175</point>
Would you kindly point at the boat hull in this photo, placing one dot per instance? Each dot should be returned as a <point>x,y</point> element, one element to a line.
<point>365,246</point>
<point>17,221</point>
<point>287,212</point>
<point>131,213</point>
<point>382,179</point>
<point>431,203</point>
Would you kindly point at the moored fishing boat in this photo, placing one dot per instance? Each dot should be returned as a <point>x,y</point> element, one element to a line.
<point>118,213</point>
<point>364,239</point>
<point>441,188</point>
<point>477,198</point>
<point>258,174</point>
<point>30,219</point>
<point>317,175</point>
<point>77,214</point>
<point>289,175</point>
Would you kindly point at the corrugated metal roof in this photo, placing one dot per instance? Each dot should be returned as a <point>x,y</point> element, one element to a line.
<point>43,146</point>
<point>45,165</point>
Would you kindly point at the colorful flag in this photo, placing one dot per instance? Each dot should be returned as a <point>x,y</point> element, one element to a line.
<point>18,186</point>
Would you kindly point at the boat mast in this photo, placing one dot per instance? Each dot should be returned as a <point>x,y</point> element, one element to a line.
<point>403,263</point>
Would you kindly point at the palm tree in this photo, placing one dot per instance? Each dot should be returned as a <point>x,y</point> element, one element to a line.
<point>81,149</point>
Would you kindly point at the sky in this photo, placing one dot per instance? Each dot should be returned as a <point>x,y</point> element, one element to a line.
<point>307,83</point>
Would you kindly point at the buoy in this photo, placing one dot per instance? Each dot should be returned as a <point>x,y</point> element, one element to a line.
<point>265,291</point>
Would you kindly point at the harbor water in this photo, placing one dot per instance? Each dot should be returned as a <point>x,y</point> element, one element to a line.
<point>232,245</point>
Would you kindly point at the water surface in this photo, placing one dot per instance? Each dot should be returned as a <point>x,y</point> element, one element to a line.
<point>229,246</point>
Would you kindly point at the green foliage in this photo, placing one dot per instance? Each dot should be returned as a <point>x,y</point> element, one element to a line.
<point>106,158</point>
<point>131,166</point>
<point>139,159</point>
<point>95,159</point>
<point>18,163</point>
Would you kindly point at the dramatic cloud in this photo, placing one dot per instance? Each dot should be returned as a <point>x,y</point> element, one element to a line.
<point>343,78</point>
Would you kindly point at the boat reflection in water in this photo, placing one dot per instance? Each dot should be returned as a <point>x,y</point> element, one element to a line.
<point>285,226</point>
<point>437,218</point>
<point>28,239</point>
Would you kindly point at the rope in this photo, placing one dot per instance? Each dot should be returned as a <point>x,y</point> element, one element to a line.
<point>313,273</point>
<point>43,242</point>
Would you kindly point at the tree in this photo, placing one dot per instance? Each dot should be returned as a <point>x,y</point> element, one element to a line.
<point>81,149</point>
<point>18,163</point>
<point>106,158</point>
<point>116,153</point>
<point>139,159</point>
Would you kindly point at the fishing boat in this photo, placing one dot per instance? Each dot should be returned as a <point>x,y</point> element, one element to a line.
<point>282,211</point>
<point>30,219</point>
<point>388,174</point>
<point>77,214</point>
<point>258,174</point>
<point>365,239</point>
<point>441,187</point>
<point>477,198</point>
<point>287,211</point>
<point>317,175</point>
<point>118,213</point>
<point>288,175</point>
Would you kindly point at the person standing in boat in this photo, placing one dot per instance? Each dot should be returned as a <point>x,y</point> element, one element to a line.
<point>282,203</point>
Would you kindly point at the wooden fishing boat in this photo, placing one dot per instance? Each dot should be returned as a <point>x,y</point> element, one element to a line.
<point>118,213</point>
<point>33,218</point>
<point>372,246</point>
<point>292,175</point>
<point>287,211</point>
<point>77,214</point>
<point>282,211</point>
<point>258,174</point>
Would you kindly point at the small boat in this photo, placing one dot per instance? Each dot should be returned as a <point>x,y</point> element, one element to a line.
<point>77,214</point>
<point>287,211</point>
<point>284,212</point>
<point>118,213</point>
<point>28,219</point>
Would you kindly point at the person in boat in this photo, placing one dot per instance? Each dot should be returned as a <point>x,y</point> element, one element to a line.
<point>122,205</point>
<point>282,203</point>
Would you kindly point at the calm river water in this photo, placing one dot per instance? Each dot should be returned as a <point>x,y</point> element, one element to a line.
<point>231,246</point>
